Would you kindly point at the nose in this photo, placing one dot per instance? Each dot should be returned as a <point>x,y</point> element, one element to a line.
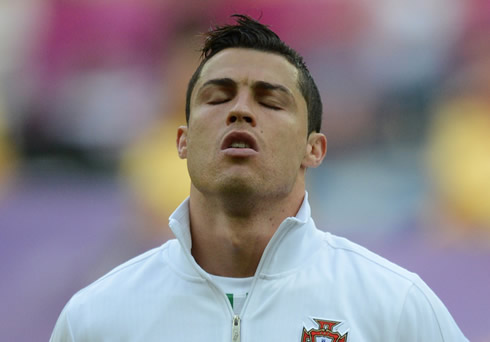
<point>241,111</point>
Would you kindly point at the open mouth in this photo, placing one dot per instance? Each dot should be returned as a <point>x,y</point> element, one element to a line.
<point>239,140</point>
<point>239,144</point>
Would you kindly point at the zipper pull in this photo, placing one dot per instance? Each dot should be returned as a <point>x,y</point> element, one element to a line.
<point>235,329</point>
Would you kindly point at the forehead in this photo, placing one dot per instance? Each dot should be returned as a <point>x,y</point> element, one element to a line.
<point>246,66</point>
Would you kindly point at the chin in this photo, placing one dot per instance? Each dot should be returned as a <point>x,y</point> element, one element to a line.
<point>237,187</point>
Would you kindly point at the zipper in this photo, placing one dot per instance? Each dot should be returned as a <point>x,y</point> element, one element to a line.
<point>235,329</point>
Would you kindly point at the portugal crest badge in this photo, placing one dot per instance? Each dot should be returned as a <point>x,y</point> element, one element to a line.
<point>324,333</point>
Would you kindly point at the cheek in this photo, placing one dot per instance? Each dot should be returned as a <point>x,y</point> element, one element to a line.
<point>202,142</point>
<point>206,123</point>
<point>289,147</point>
<point>199,132</point>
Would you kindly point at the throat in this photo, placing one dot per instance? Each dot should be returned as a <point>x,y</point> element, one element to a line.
<point>229,235</point>
<point>230,252</point>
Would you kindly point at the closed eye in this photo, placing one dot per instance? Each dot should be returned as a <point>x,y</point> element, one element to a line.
<point>270,106</point>
<point>217,102</point>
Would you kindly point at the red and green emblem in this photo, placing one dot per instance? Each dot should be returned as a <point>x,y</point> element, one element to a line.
<point>324,333</point>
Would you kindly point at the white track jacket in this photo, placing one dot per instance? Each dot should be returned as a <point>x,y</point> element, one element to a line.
<point>310,286</point>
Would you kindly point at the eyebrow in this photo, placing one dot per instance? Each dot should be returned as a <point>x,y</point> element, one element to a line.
<point>221,82</point>
<point>262,85</point>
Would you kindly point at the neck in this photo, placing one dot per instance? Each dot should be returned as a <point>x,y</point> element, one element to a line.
<point>229,240</point>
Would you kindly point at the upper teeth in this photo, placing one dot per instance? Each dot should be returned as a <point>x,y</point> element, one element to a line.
<point>239,145</point>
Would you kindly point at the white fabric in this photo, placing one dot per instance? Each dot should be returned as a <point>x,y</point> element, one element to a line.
<point>232,285</point>
<point>304,274</point>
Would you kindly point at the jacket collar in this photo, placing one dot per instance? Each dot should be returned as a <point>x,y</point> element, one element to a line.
<point>294,241</point>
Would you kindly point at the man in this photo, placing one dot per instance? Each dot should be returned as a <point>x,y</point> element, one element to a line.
<point>248,263</point>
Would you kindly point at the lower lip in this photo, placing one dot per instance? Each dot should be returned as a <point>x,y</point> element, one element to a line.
<point>239,152</point>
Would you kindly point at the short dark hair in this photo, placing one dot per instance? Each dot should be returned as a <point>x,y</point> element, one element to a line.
<point>249,33</point>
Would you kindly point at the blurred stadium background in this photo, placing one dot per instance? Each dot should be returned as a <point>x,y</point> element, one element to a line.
<point>91,93</point>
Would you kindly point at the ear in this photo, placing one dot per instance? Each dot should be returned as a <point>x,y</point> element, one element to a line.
<point>316,148</point>
<point>182,142</point>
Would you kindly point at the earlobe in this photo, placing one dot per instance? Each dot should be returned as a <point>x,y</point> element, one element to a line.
<point>316,149</point>
<point>182,142</point>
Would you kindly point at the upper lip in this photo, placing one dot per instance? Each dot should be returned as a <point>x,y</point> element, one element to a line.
<point>239,136</point>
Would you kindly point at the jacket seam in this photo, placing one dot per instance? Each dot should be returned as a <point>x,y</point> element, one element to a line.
<point>402,308</point>
<point>432,309</point>
<point>407,278</point>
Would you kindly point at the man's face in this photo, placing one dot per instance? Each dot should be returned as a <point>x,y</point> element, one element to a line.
<point>247,131</point>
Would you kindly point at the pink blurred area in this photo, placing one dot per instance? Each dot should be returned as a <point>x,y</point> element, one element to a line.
<point>91,94</point>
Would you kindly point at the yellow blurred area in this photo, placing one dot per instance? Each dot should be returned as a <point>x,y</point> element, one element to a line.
<point>7,153</point>
<point>459,158</point>
<point>154,172</point>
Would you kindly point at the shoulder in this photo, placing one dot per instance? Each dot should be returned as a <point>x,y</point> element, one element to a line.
<point>381,283</point>
<point>97,306</point>
<point>366,277</point>
<point>342,250</point>
<point>142,269</point>
<point>115,298</point>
